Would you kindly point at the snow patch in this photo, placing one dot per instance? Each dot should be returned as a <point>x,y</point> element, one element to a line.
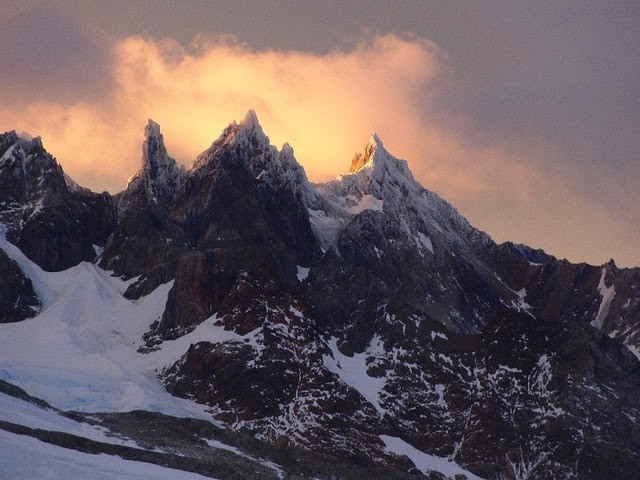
<point>441,335</point>
<point>353,372</point>
<point>303,272</point>
<point>367,202</point>
<point>607,294</point>
<point>423,461</point>
<point>424,241</point>
<point>27,457</point>
<point>635,350</point>
<point>520,304</point>
<point>98,249</point>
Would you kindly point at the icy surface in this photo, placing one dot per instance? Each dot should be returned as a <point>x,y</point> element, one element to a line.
<point>26,457</point>
<point>80,351</point>
<point>20,412</point>
<point>425,462</point>
<point>607,294</point>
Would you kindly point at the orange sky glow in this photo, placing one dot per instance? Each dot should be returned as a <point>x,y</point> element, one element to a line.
<point>325,106</point>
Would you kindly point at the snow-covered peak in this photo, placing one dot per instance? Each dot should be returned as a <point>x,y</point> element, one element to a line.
<point>246,134</point>
<point>152,130</point>
<point>375,171</point>
<point>379,182</point>
<point>160,173</point>
<point>248,144</point>
<point>366,159</point>
<point>250,122</point>
<point>17,147</point>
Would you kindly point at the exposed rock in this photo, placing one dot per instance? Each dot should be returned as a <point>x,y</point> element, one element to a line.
<point>333,316</point>
<point>54,225</point>
<point>17,298</point>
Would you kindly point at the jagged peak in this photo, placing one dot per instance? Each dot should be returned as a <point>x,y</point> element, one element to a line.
<point>246,132</point>
<point>251,122</point>
<point>152,129</point>
<point>365,159</point>
<point>153,148</point>
<point>376,164</point>
<point>160,173</point>
<point>17,147</point>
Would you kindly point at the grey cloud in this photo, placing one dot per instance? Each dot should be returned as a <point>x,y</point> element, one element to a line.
<point>46,53</point>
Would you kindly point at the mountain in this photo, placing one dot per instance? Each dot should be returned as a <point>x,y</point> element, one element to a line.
<point>363,319</point>
<point>47,215</point>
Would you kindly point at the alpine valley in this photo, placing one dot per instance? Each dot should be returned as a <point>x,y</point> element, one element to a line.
<point>234,320</point>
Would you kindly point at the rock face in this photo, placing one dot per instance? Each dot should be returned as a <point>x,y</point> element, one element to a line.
<point>53,221</point>
<point>239,209</point>
<point>17,298</point>
<point>340,315</point>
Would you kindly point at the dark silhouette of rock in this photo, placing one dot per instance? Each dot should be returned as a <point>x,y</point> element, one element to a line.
<point>53,221</point>
<point>17,298</point>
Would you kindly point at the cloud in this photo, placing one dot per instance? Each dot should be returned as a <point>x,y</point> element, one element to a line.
<point>325,106</point>
<point>46,53</point>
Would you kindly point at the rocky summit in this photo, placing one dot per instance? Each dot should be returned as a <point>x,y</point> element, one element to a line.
<point>362,320</point>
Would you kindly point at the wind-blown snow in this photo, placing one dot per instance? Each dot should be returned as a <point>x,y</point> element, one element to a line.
<point>26,457</point>
<point>423,461</point>
<point>607,294</point>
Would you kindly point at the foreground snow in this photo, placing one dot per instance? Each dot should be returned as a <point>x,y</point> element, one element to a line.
<point>19,412</point>
<point>26,457</point>
<point>80,352</point>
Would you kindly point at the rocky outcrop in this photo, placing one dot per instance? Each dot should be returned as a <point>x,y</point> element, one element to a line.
<point>337,316</point>
<point>55,224</point>
<point>17,298</point>
<point>420,326</point>
<point>148,242</point>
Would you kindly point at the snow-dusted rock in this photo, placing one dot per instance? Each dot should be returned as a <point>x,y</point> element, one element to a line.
<point>363,318</point>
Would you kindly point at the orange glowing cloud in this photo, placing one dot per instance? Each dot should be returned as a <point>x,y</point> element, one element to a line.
<point>325,106</point>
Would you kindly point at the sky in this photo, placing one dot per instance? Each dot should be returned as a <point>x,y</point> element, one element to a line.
<point>524,115</point>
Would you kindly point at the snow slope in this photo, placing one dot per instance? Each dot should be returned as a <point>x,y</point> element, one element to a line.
<point>80,352</point>
<point>425,462</point>
<point>26,457</point>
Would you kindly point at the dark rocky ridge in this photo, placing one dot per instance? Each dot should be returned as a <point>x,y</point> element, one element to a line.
<point>54,223</point>
<point>511,362</point>
<point>17,298</point>
<point>235,211</point>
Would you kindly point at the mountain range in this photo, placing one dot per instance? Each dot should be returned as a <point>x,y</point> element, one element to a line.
<point>268,326</point>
